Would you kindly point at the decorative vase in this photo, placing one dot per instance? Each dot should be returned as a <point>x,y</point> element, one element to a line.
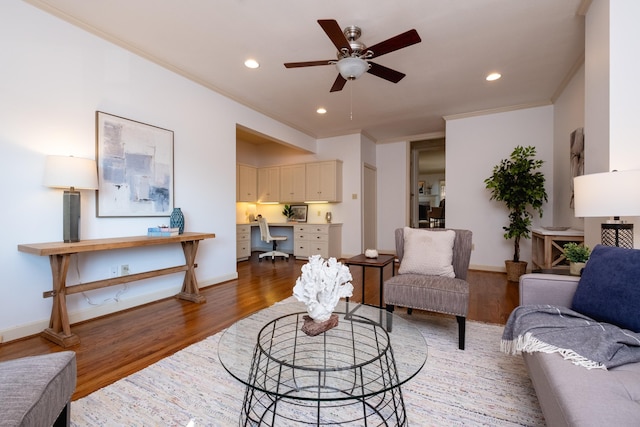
<point>176,220</point>
<point>575,268</point>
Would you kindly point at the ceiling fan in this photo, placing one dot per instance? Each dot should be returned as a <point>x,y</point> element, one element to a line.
<point>354,57</point>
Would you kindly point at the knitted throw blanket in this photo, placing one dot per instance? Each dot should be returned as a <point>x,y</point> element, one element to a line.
<point>576,337</point>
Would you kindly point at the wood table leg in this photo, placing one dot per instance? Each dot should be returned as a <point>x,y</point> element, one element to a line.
<point>190,290</point>
<point>59,330</point>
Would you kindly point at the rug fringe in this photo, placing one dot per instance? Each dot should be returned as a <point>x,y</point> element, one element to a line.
<point>527,343</point>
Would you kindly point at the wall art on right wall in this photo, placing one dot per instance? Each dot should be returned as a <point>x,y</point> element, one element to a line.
<point>576,158</point>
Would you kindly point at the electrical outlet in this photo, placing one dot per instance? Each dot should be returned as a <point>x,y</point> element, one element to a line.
<point>124,270</point>
<point>319,213</point>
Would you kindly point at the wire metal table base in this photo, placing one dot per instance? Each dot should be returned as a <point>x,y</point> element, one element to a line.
<point>346,376</point>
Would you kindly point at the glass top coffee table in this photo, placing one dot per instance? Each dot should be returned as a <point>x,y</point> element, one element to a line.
<point>350,375</point>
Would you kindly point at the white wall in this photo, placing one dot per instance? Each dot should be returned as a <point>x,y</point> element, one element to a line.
<point>393,192</point>
<point>53,78</point>
<point>611,96</point>
<point>568,116</point>
<point>624,68</point>
<point>474,146</point>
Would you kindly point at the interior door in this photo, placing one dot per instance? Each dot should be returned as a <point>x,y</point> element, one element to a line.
<point>369,202</point>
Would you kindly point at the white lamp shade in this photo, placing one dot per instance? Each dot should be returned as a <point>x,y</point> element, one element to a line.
<point>352,68</point>
<point>607,194</point>
<point>69,171</point>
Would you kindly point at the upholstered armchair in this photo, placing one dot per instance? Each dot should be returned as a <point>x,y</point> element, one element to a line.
<point>434,275</point>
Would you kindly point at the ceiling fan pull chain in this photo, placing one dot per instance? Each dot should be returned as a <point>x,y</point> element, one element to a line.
<point>351,102</point>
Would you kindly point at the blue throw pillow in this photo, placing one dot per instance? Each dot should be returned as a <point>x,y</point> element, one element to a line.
<point>609,288</point>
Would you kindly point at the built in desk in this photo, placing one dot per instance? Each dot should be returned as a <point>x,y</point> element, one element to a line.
<point>59,253</point>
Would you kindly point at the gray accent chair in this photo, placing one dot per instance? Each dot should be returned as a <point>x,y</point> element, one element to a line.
<point>36,391</point>
<point>448,295</point>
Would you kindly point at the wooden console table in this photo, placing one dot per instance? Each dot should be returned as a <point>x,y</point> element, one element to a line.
<point>59,330</point>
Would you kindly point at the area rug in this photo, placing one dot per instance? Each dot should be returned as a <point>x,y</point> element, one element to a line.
<point>479,386</point>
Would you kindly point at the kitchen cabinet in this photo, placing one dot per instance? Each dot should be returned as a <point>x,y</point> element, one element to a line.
<point>292,183</point>
<point>269,184</point>
<point>246,184</point>
<point>243,242</point>
<point>324,181</point>
<point>313,239</point>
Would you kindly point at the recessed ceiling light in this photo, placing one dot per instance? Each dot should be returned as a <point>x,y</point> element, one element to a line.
<point>251,63</point>
<point>321,110</point>
<point>493,76</point>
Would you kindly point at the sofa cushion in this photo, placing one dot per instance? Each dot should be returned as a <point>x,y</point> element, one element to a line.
<point>428,252</point>
<point>609,288</point>
<point>34,390</point>
<point>571,395</point>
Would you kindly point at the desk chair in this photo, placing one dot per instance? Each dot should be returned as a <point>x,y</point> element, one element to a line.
<point>267,237</point>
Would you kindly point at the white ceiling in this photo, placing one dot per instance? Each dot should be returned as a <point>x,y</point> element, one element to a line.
<point>535,44</point>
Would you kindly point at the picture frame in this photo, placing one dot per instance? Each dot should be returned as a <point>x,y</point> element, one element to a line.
<point>135,168</point>
<point>299,212</point>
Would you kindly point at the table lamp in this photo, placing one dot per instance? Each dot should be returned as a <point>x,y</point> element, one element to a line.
<point>72,174</point>
<point>613,194</point>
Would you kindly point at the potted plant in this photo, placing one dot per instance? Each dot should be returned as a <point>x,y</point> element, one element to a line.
<point>577,256</point>
<point>288,212</point>
<point>518,183</point>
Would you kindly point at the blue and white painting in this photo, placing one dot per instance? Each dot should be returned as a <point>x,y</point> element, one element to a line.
<point>135,168</point>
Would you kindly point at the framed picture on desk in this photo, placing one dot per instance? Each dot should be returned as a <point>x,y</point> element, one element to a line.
<point>299,213</point>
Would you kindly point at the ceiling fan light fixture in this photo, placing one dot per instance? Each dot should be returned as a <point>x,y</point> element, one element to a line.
<point>351,68</point>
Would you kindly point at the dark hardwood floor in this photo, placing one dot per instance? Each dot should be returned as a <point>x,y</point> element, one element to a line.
<point>119,344</point>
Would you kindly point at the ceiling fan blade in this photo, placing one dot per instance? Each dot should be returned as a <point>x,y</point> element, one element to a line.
<point>338,84</point>
<point>394,43</point>
<point>385,73</point>
<point>333,30</point>
<point>308,63</point>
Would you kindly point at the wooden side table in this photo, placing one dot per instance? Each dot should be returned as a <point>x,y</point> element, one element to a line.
<point>547,250</point>
<point>380,263</point>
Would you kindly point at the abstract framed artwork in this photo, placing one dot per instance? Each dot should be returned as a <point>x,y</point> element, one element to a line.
<point>135,168</point>
<point>299,213</point>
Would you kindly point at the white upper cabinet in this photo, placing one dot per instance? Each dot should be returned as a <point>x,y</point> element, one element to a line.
<point>324,181</point>
<point>246,187</point>
<point>292,183</point>
<point>269,184</point>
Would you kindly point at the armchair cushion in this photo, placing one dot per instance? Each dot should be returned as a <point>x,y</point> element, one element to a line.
<point>428,252</point>
<point>608,290</point>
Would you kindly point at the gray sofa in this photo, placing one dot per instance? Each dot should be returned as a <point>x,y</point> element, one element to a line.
<point>36,391</point>
<point>571,395</point>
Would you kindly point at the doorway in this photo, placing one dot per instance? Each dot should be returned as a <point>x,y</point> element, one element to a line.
<point>428,185</point>
<point>369,202</point>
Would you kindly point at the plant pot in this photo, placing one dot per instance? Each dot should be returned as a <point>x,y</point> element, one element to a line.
<point>515,269</point>
<point>575,268</point>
